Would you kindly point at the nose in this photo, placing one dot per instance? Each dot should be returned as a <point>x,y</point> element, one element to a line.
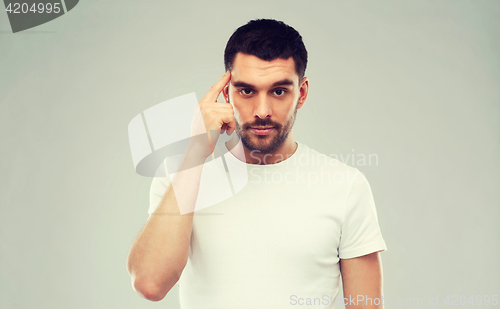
<point>262,108</point>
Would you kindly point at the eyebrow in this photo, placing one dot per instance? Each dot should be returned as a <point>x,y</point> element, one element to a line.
<point>282,82</point>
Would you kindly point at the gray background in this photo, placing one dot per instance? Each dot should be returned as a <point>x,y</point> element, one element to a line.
<point>415,82</point>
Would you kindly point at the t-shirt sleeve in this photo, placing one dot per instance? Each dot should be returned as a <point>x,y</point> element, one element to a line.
<point>360,231</point>
<point>157,190</point>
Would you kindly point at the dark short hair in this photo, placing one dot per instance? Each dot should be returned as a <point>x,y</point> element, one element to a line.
<point>267,39</point>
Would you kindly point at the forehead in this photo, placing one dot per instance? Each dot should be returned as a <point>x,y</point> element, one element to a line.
<point>258,72</point>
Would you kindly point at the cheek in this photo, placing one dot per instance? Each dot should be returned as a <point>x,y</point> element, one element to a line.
<point>241,110</point>
<point>237,113</point>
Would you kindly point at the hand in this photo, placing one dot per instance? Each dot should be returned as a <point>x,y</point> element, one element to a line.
<point>211,117</point>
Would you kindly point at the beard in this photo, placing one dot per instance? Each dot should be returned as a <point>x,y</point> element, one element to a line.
<point>265,143</point>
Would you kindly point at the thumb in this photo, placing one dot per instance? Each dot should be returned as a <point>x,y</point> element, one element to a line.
<point>231,126</point>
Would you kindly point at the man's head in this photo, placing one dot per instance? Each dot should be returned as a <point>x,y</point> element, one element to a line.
<point>267,60</point>
<point>267,39</point>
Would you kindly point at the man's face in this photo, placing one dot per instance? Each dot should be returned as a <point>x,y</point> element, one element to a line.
<point>264,94</point>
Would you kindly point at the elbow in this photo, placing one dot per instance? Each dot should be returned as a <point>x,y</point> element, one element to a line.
<point>152,283</point>
<point>150,290</point>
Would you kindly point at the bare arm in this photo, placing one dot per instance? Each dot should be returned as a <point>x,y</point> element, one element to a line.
<point>159,253</point>
<point>362,281</point>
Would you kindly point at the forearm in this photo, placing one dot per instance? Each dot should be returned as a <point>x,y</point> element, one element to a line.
<point>160,251</point>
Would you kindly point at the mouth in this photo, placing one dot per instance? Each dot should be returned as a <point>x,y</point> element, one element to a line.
<point>261,130</point>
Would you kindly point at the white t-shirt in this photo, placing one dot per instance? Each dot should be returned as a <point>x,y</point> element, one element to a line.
<point>278,241</point>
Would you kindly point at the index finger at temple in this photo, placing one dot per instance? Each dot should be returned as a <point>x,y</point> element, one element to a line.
<point>216,89</point>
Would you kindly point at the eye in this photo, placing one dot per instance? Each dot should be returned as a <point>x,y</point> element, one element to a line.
<point>245,91</point>
<point>280,92</point>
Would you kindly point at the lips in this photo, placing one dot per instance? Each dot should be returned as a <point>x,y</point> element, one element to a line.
<point>261,130</point>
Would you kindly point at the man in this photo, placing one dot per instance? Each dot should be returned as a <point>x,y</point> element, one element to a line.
<point>302,219</point>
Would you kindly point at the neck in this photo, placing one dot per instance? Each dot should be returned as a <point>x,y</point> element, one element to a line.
<point>283,152</point>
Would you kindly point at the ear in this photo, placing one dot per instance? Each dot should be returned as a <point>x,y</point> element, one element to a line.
<point>225,92</point>
<point>303,91</point>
